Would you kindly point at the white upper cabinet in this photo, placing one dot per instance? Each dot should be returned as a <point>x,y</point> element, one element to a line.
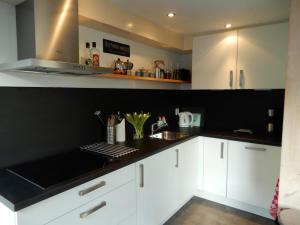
<point>250,58</point>
<point>262,57</point>
<point>214,61</point>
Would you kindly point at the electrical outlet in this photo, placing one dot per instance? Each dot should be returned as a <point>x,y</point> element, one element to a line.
<point>176,111</point>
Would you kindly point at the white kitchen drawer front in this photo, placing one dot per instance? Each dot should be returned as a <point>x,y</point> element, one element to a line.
<point>129,221</point>
<point>253,170</point>
<point>62,203</point>
<point>109,209</point>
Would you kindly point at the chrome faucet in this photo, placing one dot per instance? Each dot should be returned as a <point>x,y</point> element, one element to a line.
<point>160,124</point>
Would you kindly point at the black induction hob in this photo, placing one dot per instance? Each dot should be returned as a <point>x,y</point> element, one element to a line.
<point>50,171</point>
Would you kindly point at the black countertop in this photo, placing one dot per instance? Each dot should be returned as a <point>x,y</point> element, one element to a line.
<point>17,193</point>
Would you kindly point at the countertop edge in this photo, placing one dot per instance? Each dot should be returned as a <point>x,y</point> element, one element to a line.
<point>71,184</point>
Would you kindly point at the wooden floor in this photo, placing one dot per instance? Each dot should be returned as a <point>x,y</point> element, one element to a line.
<point>202,212</point>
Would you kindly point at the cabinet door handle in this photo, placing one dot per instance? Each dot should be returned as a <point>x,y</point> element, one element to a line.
<point>231,78</point>
<point>177,158</point>
<point>256,149</point>
<point>222,150</point>
<point>142,176</point>
<point>93,188</point>
<point>242,78</point>
<point>92,210</point>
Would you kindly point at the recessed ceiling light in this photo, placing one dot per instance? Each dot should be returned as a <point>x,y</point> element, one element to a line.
<point>228,25</point>
<point>171,14</point>
<point>129,25</point>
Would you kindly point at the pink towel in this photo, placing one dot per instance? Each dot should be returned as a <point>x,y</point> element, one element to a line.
<point>274,206</point>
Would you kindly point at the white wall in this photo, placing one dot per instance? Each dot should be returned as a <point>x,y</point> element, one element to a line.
<point>142,55</point>
<point>8,37</point>
<point>290,157</point>
<point>108,12</point>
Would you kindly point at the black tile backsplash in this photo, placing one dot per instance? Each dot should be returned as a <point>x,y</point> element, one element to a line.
<point>37,122</point>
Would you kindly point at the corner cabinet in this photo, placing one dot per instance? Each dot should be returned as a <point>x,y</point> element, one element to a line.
<point>250,58</point>
<point>240,174</point>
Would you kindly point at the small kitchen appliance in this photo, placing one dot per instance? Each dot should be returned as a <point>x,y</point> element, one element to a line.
<point>185,119</point>
<point>196,119</point>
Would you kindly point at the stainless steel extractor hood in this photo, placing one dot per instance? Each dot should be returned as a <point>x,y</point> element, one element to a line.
<point>48,39</point>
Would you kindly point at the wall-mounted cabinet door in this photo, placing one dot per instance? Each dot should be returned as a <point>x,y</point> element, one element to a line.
<point>214,61</point>
<point>215,166</point>
<point>252,173</point>
<point>262,57</point>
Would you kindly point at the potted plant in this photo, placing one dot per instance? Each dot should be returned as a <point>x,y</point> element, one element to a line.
<point>137,121</point>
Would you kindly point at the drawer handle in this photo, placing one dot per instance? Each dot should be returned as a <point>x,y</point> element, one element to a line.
<point>177,158</point>
<point>242,78</point>
<point>256,149</point>
<point>93,188</point>
<point>222,150</point>
<point>142,184</point>
<point>231,78</point>
<point>92,210</point>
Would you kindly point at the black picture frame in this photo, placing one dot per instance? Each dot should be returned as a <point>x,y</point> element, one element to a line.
<point>116,48</point>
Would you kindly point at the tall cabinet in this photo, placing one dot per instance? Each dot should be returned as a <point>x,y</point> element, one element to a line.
<point>250,58</point>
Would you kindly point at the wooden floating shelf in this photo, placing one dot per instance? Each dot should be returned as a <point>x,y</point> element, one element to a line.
<point>132,77</point>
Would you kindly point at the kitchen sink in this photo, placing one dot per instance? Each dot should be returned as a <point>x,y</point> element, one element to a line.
<point>169,135</point>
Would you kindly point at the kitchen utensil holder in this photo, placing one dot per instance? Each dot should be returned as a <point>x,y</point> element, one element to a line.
<point>111,135</point>
<point>120,131</point>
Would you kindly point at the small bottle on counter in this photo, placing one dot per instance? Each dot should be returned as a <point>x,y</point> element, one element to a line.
<point>87,54</point>
<point>95,55</point>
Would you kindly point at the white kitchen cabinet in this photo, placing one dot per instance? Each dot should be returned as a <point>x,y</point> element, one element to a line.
<point>200,163</point>
<point>166,181</point>
<point>214,61</point>
<point>129,221</point>
<point>215,166</point>
<point>155,192</point>
<point>250,58</point>
<point>262,56</point>
<point>187,171</point>
<point>109,209</point>
<point>252,173</point>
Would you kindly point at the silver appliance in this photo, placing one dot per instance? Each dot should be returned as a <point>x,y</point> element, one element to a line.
<point>48,39</point>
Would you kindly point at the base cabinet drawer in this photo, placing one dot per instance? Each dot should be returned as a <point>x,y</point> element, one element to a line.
<point>110,209</point>
<point>58,205</point>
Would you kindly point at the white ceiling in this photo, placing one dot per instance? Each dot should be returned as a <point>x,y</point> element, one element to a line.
<point>200,16</point>
<point>197,16</point>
